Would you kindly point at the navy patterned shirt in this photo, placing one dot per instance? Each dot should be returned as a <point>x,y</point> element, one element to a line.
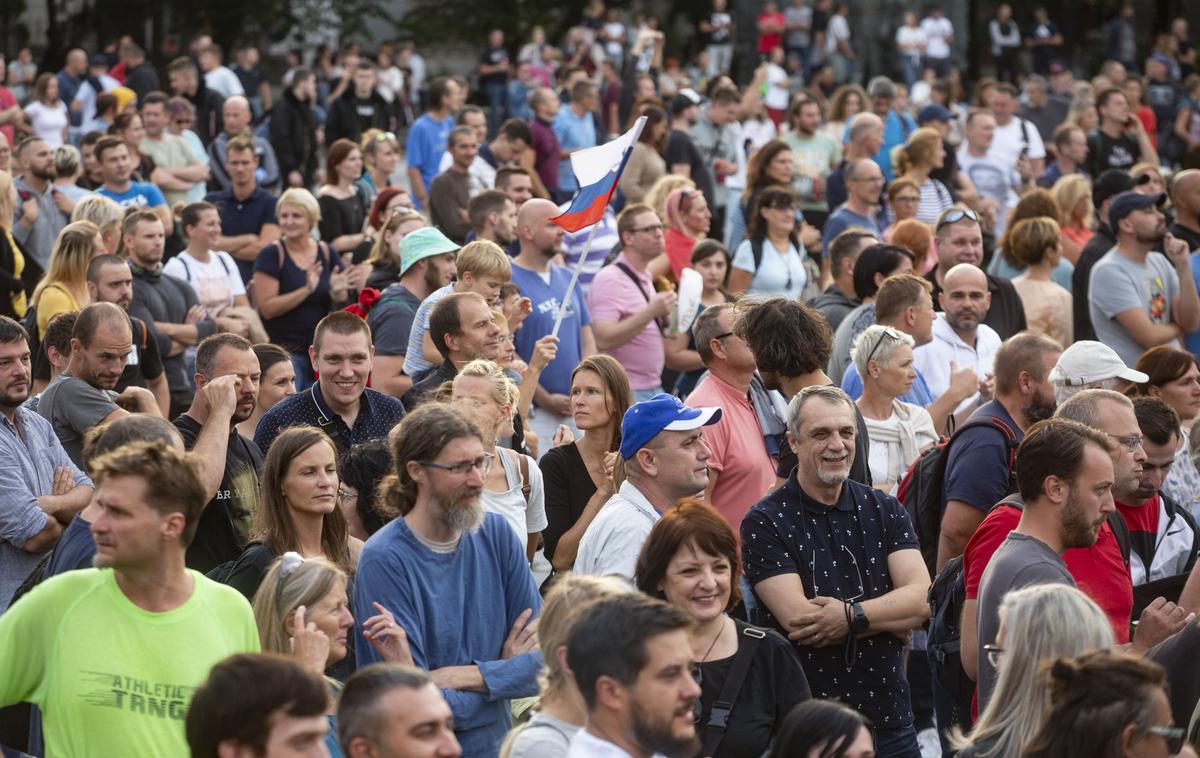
<point>377,414</point>
<point>838,551</point>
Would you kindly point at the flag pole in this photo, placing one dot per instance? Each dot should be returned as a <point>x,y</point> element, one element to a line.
<point>562,308</point>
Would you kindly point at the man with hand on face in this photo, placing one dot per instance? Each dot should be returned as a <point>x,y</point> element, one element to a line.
<point>835,566</point>
<point>83,396</point>
<point>662,444</point>
<point>1141,298</point>
<point>227,377</point>
<point>340,403</point>
<point>455,577</point>
<point>1120,141</point>
<point>630,656</point>
<point>238,118</point>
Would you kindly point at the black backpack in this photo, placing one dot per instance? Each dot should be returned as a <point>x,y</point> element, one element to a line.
<point>921,488</point>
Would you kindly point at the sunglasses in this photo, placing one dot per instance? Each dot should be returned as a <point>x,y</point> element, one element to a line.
<point>1172,735</point>
<point>889,333</point>
<point>956,215</point>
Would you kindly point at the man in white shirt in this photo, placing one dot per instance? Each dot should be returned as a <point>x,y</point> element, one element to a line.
<point>995,179</point>
<point>631,656</point>
<point>1015,138</point>
<point>218,77</point>
<point>665,459</point>
<point>939,35</point>
<point>960,338</point>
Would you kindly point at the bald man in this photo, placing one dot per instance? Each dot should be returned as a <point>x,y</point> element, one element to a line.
<point>539,273</point>
<point>960,338</point>
<point>237,117</point>
<point>73,72</point>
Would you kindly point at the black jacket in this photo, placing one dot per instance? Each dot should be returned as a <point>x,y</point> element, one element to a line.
<point>208,105</point>
<point>142,79</point>
<point>346,122</point>
<point>294,137</point>
<point>1100,243</point>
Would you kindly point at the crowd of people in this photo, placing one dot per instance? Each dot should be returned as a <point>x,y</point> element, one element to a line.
<point>320,436</point>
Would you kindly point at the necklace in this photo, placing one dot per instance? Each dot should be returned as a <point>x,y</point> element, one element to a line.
<point>699,671</point>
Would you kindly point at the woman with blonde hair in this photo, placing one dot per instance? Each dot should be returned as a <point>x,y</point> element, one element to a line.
<point>106,215</point>
<point>384,258</point>
<point>12,261</point>
<point>1073,193</point>
<point>656,196</point>
<point>381,156</point>
<point>924,153</point>
<point>1038,624</point>
<point>848,101</point>
<point>1035,243</point>
<point>64,286</point>
<point>561,711</point>
<point>512,482</point>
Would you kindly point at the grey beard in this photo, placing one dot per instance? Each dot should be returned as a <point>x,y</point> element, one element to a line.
<point>460,518</point>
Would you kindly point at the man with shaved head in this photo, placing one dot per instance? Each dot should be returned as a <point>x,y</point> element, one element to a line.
<point>957,239</point>
<point>1185,196</point>
<point>537,270</point>
<point>237,117</point>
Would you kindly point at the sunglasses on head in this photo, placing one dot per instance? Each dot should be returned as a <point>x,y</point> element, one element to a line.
<point>956,215</point>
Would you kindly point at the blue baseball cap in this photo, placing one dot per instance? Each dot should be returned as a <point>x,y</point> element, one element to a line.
<point>935,112</point>
<point>1128,202</point>
<point>643,421</point>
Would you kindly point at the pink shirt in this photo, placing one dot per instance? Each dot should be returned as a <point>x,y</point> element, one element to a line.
<point>739,454</point>
<point>615,297</point>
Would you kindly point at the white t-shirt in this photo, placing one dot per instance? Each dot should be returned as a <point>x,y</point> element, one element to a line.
<point>777,88</point>
<point>224,82</point>
<point>884,457</point>
<point>48,122</point>
<point>1009,139</point>
<point>525,518</point>
<point>216,283</point>
<point>775,272</point>
<point>910,40</point>
<point>993,179</point>
<point>837,31</point>
<point>937,31</point>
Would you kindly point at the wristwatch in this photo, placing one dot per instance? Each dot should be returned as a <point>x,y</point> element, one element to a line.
<point>859,622</point>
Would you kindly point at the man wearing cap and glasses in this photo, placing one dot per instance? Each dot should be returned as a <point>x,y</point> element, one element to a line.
<point>665,457</point>
<point>1141,298</point>
<point>426,265</point>
<point>836,566</point>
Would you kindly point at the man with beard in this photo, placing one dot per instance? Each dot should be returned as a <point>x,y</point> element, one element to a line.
<point>41,488</point>
<point>42,210</point>
<point>455,578</point>
<point>426,265</point>
<point>340,402</point>
<point>493,217</point>
<point>1141,298</point>
<point>545,284</point>
<point>978,473</point>
<point>451,190</point>
<point>230,463</point>
<point>666,459</point>
<point>958,239</point>
<point>83,395</point>
<point>135,635</point>
<point>630,656</point>
<point>463,328</point>
<point>1065,475</point>
<point>835,566</point>
<point>960,338</point>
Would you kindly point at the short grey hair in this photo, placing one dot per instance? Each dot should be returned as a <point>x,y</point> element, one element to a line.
<point>707,328</point>
<point>879,342</point>
<point>1063,392</point>
<point>360,713</point>
<point>1084,406</point>
<point>826,392</point>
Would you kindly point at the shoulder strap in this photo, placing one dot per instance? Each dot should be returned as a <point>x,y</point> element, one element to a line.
<point>718,717</point>
<point>633,277</point>
<point>756,249</point>
<point>224,265</point>
<point>1120,529</point>
<point>279,246</point>
<point>526,485</point>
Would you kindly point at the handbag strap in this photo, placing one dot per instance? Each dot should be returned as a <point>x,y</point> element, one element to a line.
<point>718,717</point>
<point>638,283</point>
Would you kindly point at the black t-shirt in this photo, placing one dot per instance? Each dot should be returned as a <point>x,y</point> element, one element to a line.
<point>226,520</point>
<point>773,685</point>
<point>1081,317</point>
<point>681,148</point>
<point>491,57</point>
<point>1187,235</point>
<point>568,487</point>
<point>1104,152</point>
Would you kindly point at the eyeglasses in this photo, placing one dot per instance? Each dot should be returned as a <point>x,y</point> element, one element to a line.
<point>995,654</point>
<point>652,229</point>
<point>956,215</point>
<point>1172,734</point>
<point>483,464</point>
<point>1132,441</point>
<point>888,332</point>
<point>906,199</point>
<point>723,335</point>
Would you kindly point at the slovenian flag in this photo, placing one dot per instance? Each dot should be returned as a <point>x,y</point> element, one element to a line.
<point>597,169</point>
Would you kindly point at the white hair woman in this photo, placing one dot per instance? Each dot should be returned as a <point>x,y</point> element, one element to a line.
<point>898,431</point>
<point>1038,624</point>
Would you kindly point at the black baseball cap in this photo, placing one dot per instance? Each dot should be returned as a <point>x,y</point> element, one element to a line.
<point>1112,182</point>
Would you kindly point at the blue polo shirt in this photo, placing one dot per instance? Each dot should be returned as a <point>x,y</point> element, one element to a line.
<point>573,132</point>
<point>919,394</point>
<point>244,217</point>
<point>546,297</point>
<point>977,468</point>
<point>377,414</point>
<point>424,147</point>
<point>139,193</point>
<point>840,551</point>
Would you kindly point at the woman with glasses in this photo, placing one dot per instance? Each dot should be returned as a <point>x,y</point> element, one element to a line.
<point>1037,624</point>
<point>690,560</point>
<point>770,165</point>
<point>181,116</point>
<point>1104,703</point>
<point>512,482</point>
<point>688,221</point>
<point>924,153</point>
<point>1175,378</point>
<point>904,196</point>
<point>297,510</point>
<point>771,260</point>
<point>898,431</point>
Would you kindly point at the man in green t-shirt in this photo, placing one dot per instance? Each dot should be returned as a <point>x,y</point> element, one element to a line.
<point>112,655</point>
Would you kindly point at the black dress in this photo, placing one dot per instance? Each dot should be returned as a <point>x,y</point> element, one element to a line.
<point>569,487</point>
<point>342,216</point>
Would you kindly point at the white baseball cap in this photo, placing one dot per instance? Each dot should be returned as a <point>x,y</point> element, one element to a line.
<point>1087,362</point>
